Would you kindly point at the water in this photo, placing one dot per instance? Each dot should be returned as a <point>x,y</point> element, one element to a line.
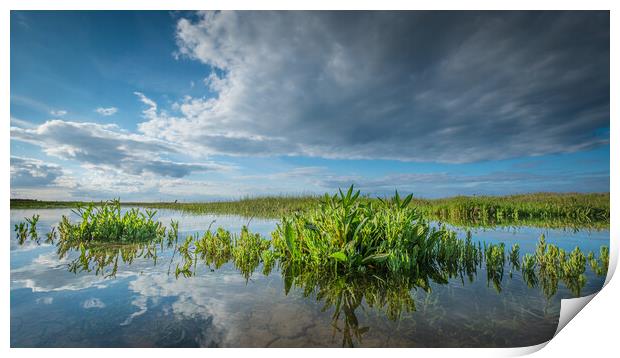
<point>144,305</point>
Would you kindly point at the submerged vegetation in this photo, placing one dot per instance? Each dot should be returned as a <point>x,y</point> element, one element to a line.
<point>345,250</point>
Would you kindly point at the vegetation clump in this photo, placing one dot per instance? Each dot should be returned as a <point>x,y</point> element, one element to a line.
<point>600,265</point>
<point>107,223</point>
<point>27,230</point>
<point>348,234</point>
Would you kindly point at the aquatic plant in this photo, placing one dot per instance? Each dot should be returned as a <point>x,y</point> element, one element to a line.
<point>51,236</point>
<point>247,251</point>
<point>348,234</point>
<point>21,230</point>
<point>188,256</point>
<point>268,258</point>
<point>528,270</point>
<point>495,258</point>
<point>573,270</point>
<point>215,248</point>
<point>513,257</point>
<point>32,227</point>
<point>27,230</point>
<point>600,265</point>
<point>107,223</point>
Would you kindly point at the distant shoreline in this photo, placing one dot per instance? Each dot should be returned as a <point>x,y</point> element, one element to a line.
<point>538,209</point>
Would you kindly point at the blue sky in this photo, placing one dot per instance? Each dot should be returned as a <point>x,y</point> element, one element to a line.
<point>155,105</point>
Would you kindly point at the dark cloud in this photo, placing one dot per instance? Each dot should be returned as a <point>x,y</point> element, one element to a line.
<point>108,146</point>
<point>426,86</point>
<point>28,172</point>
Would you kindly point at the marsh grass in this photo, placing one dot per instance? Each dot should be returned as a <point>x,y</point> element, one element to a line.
<point>553,210</point>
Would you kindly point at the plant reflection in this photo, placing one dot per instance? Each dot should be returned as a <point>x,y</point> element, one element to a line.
<point>341,291</point>
<point>104,259</point>
<point>345,294</point>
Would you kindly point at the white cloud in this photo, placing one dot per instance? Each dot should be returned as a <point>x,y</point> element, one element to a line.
<point>109,146</point>
<point>20,123</point>
<point>93,303</point>
<point>45,300</point>
<point>29,172</point>
<point>58,113</point>
<point>106,111</point>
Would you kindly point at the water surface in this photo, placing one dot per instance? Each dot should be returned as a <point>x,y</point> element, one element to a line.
<point>146,305</point>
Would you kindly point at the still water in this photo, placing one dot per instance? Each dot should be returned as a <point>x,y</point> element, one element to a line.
<point>146,305</point>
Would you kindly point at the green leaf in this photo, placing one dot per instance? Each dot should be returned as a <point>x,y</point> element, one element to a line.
<point>375,258</point>
<point>340,256</point>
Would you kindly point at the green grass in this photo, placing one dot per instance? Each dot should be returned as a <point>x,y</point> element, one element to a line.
<point>538,207</point>
<point>42,204</point>
<point>572,210</point>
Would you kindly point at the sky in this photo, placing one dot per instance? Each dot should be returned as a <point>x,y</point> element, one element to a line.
<point>193,106</point>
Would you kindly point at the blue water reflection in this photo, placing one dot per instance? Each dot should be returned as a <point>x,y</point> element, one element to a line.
<point>144,306</point>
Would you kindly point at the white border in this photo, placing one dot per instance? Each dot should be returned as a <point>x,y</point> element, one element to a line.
<point>592,332</point>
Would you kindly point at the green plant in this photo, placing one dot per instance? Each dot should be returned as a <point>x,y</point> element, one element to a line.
<point>600,265</point>
<point>107,223</point>
<point>248,250</point>
<point>21,230</point>
<point>528,270</point>
<point>514,256</point>
<point>573,270</point>
<point>495,257</point>
<point>348,234</point>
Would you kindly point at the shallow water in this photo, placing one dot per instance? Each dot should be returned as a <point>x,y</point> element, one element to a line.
<point>146,306</point>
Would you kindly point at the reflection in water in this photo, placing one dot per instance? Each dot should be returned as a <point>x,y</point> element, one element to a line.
<point>135,297</point>
<point>343,293</point>
<point>573,225</point>
<point>104,258</point>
